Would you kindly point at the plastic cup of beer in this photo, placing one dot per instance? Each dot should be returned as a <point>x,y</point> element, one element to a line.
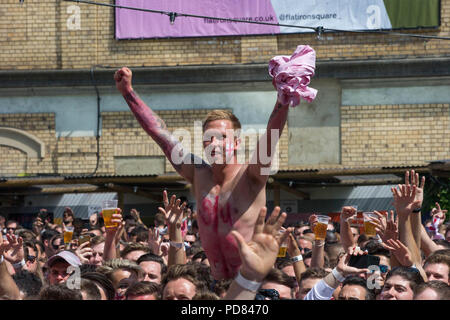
<point>320,230</point>
<point>68,234</point>
<point>369,227</point>
<point>283,247</point>
<point>109,207</point>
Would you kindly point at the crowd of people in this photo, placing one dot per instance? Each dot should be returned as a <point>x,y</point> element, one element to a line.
<point>166,260</point>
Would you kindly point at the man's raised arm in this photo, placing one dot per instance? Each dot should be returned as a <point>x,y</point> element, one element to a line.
<point>155,126</point>
<point>261,161</point>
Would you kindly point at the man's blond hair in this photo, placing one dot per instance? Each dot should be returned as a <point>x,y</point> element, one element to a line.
<point>222,115</point>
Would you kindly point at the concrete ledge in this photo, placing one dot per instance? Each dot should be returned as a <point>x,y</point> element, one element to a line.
<point>361,69</point>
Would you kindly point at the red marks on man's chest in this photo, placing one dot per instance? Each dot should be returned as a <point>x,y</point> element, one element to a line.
<point>211,211</point>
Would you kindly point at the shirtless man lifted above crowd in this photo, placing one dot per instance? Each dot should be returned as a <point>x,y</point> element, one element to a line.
<point>229,195</point>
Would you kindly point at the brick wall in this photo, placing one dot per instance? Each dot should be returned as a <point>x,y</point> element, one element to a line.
<point>122,136</point>
<point>34,35</point>
<point>389,135</point>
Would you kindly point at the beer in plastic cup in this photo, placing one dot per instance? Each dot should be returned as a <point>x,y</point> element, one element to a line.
<point>369,227</point>
<point>68,234</point>
<point>320,230</point>
<point>283,247</point>
<point>109,207</point>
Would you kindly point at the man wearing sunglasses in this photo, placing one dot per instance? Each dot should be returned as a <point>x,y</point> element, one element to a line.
<point>11,226</point>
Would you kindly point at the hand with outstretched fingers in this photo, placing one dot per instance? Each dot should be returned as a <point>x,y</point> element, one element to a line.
<point>400,251</point>
<point>154,241</point>
<point>15,253</point>
<point>405,199</point>
<point>173,211</point>
<point>259,255</point>
<point>415,182</point>
<point>386,228</point>
<point>343,262</point>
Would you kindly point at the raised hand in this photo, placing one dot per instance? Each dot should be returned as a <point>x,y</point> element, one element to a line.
<point>84,252</point>
<point>400,251</point>
<point>258,256</point>
<point>154,240</point>
<point>348,212</point>
<point>14,253</point>
<point>312,221</point>
<point>116,220</point>
<point>293,249</point>
<point>405,199</point>
<point>415,182</point>
<point>123,78</point>
<point>343,266</point>
<point>437,212</point>
<point>173,211</point>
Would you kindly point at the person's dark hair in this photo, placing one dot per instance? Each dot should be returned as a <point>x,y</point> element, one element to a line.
<point>13,221</point>
<point>58,236</point>
<point>185,271</point>
<point>26,235</point>
<point>134,246</point>
<point>278,276</point>
<point>193,250</point>
<point>90,290</point>
<point>84,268</point>
<point>205,295</point>
<point>26,246</point>
<point>358,281</point>
<point>27,282</point>
<point>280,263</point>
<point>445,252</point>
<point>361,239</point>
<point>154,258</point>
<point>141,234</point>
<point>326,260</point>
<point>144,288</point>
<point>204,274</point>
<point>222,286</point>
<point>442,242</point>
<point>101,280</point>
<point>332,251</point>
<point>59,291</point>
<point>306,231</point>
<point>331,237</point>
<point>373,247</point>
<point>313,273</point>
<point>159,220</point>
<point>441,288</point>
<point>48,234</point>
<point>97,240</point>
<point>199,255</point>
<point>411,275</point>
<point>194,224</point>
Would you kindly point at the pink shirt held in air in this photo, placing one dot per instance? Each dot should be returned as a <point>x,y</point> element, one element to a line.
<point>292,75</point>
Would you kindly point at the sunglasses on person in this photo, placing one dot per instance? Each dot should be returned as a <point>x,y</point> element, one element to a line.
<point>383,268</point>
<point>32,259</point>
<point>9,228</point>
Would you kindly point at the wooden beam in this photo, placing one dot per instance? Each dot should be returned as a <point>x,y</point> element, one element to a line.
<point>130,190</point>
<point>297,193</point>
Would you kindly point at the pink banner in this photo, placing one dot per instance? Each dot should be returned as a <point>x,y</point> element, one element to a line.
<point>132,24</point>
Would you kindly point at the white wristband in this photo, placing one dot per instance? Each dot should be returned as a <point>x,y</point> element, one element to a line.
<point>339,277</point>
<point>297,258</point>
<point>1,259</point>
<point>247,284</point>
<point>177,245</point>
<point>19,264</point>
